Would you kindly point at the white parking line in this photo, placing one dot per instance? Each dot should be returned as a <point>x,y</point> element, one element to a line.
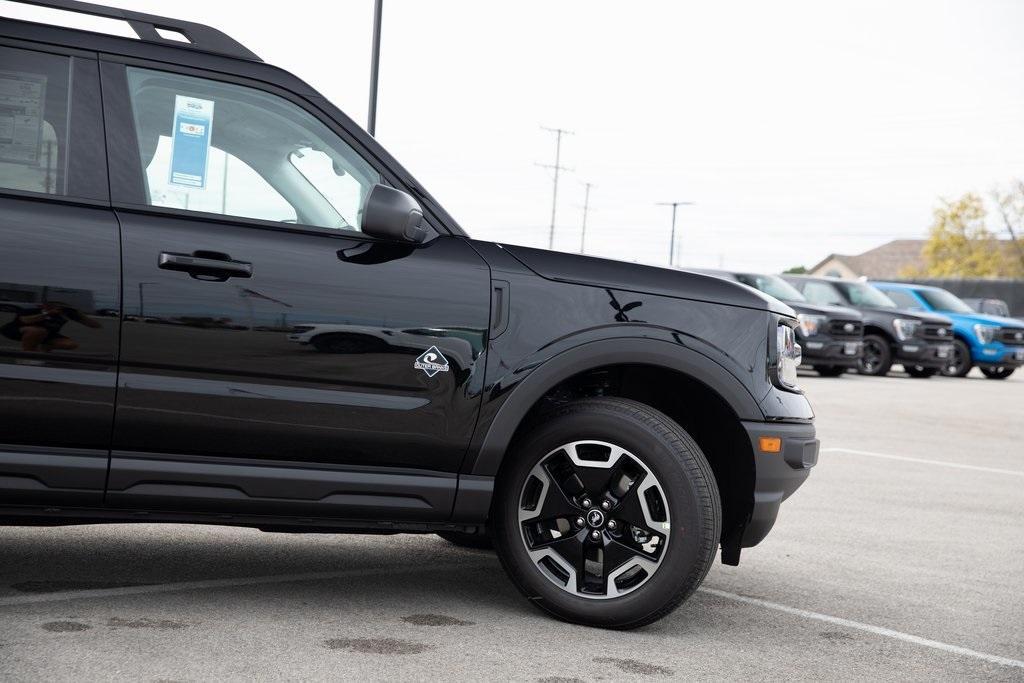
<point>877,630</point>
<point>941,463</point>
<point>211,583</point>
<point>348,573</point>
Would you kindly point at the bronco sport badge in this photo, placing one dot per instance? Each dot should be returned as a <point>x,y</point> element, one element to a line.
<point>431,362</point>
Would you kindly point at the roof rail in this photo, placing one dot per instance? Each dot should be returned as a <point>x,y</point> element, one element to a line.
<point>199,37</point>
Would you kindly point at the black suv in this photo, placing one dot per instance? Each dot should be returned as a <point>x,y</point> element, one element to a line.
<point>921,342</point>
<point>225,303</point>
<point>831,337</point>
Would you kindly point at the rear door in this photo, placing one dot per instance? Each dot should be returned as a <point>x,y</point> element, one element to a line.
<point>59,279</point>
<point>275,359</point>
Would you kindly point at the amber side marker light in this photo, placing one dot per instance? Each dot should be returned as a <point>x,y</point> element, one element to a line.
<point>770,444</point>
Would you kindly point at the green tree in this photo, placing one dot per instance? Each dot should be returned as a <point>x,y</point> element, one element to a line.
<point>961,245</point>
<point>796,270</point>
<point>1011,209</point>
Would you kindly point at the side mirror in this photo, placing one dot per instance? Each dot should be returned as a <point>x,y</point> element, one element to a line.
<point>391,214</point>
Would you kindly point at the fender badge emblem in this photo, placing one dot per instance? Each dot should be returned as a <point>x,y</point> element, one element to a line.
<point>431,362</point>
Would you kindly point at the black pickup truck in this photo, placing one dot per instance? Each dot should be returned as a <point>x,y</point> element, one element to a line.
<point>831,337</point>
<point>225,303</point>
<point>921,342</point>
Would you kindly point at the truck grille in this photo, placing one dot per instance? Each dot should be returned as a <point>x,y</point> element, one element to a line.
<point>846,328</point>
<point>1012,335</point>
<point>934,332</point>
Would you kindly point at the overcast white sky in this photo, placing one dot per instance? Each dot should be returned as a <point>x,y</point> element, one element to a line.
<point>798,128</point>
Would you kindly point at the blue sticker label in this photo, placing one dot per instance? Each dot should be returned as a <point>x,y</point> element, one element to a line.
<point>190,147</point>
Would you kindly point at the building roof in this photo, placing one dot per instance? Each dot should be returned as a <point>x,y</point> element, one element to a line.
<point>887,261</point>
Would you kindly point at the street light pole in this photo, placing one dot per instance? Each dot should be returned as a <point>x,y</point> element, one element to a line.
<point>672,242</point>
<point>586,207</point>
<point>371,119</point>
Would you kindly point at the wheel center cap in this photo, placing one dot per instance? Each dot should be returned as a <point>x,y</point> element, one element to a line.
<point>595,518</point>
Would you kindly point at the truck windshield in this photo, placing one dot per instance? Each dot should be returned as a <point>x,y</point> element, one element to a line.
<point>941,300</point>
<point>860,294</point>
<point>772,285</point>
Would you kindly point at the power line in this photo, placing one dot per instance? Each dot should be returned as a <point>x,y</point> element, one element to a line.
<point>672,243</point>
<point>559,132</point>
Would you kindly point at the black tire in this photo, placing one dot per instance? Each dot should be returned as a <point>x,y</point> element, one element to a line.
<point>464,540</point>
<point>830,370</point>
<point>919,372</point>
<point>961,363</point>
<point>877,356</point>
<point>997,372</point>
<point>673,461</point>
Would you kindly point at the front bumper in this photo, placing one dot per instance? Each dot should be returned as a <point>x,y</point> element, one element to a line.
<point>778,475</point>
<point>998,354</point>
<point>923,352</point>
<point>821,350</point>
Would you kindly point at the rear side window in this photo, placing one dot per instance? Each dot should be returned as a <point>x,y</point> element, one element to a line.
<point>227,149</point>
<point>34,115</point>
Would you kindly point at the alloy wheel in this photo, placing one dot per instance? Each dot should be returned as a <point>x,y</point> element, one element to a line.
<point>594,519</point>
<point>871,359</point>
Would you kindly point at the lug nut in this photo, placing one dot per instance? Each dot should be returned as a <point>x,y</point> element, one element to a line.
<point>586,503</point>
<point>606,504</point>
<point>580,521</point>
<point>595,534</point>
<point>612,524</point>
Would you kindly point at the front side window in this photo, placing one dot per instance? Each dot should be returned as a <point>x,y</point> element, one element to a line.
<point>34,110</point>
<point>861,294</point>
<point>772,285</point>
<point>823,293</point>
<point>236,151</point>
<point>903,298</point>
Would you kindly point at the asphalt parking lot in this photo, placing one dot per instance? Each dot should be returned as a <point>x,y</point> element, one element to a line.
<point>901,558</point>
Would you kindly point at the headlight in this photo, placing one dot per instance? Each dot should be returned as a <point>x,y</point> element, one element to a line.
<point>787,353</point>
<point>810,324</point>
<point>985,333</point>
<point>905,328</point>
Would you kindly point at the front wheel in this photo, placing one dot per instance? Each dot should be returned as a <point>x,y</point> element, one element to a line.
<point>997,372</point>
<point>920,372</point>
<point>961,363</point>
<point>607,514</point>
<point>877,357</point>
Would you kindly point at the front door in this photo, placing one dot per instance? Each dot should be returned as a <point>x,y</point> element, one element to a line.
<point>274,358</point>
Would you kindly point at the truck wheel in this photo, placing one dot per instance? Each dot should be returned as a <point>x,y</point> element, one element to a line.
<point>877,358</point>
<point>464,540</point>
<point>961,363</point>
<point>607,514</point>
<point>997,372</point>
<point>919,372</point>
<point>830,370</point>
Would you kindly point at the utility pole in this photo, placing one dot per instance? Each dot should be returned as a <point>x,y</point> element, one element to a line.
<point>559,132</point>
<point>371,119</point>
<point>672,243</point>
<point>586,207</point>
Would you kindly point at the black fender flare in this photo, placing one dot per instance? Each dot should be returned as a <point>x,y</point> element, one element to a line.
<point>596,354</point>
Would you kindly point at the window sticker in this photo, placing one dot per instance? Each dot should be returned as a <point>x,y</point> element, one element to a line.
<point>190,143</point>
<point>22,98</point>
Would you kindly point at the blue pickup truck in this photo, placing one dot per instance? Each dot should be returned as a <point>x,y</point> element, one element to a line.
<point>994,343</point>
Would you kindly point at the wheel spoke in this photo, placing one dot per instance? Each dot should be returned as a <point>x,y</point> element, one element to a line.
<point>594,519</point>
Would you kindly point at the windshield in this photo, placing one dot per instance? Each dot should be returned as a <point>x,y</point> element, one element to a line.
<point>772,285</point>
<point>941,300</point>
<point>860,294</point>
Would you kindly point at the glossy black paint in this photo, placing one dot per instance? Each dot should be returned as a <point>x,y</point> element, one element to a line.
<point>287,386</point>
<point>832,343</point>
<point>920,350</point>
